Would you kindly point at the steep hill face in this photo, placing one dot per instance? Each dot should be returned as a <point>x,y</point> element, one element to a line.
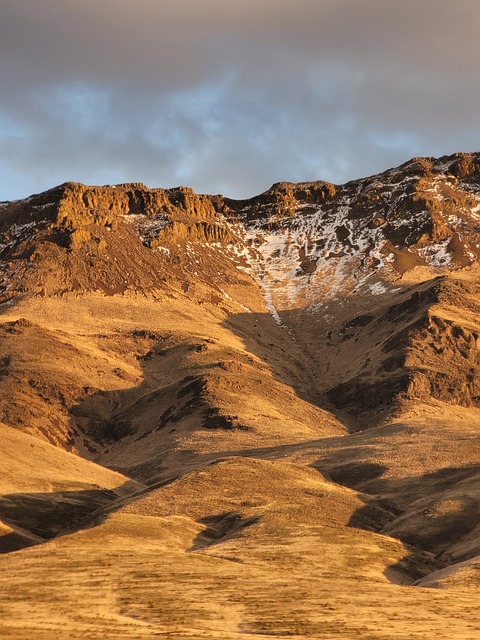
<point>213,393</point>
<point>319,241</point>
<point>308,242</point>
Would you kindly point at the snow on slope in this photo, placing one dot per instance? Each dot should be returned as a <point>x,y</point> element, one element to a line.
<point>361,241</point>
<point>306,244</point>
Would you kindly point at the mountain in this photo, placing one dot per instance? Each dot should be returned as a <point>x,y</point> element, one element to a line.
<point>224,418</point>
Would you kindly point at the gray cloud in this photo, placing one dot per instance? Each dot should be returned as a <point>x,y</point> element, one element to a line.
<point>230,97</point>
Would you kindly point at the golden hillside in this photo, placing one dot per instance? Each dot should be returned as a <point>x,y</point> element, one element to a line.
<point>225,419</point>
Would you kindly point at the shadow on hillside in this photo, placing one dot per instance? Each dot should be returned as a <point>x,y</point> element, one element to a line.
<point>48,515</point>
<point>273,344</point>
<point>374,350</point>
<point>161,403</point>
<point>100,418</point>
<point>364,395</point>
<point>181,389</point>
<point>411,510</point>
<point>178,397</point>
<point>220,527</point>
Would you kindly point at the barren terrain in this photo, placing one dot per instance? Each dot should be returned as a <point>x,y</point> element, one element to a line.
<point>225,419</point>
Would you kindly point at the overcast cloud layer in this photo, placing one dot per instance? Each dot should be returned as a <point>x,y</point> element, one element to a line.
<point>229,96</point>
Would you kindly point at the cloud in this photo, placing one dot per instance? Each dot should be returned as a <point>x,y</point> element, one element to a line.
<point>230,97</point>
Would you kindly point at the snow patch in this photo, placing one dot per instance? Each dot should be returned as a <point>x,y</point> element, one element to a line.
<point>436,255</point>
<point>378,288</point>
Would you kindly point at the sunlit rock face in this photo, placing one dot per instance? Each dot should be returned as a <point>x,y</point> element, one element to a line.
<point>306,243</point>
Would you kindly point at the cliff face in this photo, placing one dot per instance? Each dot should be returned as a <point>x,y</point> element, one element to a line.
<point>315,241</point>
<point>307,240</point>
<point>80,238</point>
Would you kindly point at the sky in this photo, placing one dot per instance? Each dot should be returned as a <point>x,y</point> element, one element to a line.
<point>230,96</point>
